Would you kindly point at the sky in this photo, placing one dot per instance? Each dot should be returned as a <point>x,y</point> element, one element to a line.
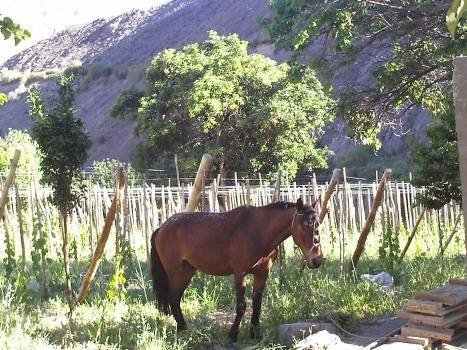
<point>43,18</point>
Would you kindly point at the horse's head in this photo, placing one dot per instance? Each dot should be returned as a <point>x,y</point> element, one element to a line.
<point>305,233</point>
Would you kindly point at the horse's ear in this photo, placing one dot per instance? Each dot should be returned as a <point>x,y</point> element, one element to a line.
<point>316,203</point>
<point>299,205</point>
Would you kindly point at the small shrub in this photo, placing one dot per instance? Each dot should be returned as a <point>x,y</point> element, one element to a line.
<point>29,162</point>
<point>127,104</point>
<point>105,172</point>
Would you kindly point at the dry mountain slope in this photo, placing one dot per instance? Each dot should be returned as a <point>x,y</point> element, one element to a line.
<point>127,43</point>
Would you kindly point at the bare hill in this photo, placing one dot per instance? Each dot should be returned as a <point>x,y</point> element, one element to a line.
<point>118,49</point>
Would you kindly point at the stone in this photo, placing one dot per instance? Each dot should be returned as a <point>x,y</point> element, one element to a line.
<point>288,333</point>
<point>383,279</point>
<point>324,341</point>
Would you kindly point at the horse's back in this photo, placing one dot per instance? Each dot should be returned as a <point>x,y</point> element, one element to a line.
<point>203,240</point>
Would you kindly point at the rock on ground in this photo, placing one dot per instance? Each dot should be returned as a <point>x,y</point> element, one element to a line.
<point>324,341</point>
<point>296,331</point>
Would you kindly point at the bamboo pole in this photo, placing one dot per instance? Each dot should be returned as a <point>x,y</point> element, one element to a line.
<point>9,181</point>
<point>84,291</point>
<point>327,195</point>
<point>412,235</point>
<point>195,193</point>
<point>371,217</point>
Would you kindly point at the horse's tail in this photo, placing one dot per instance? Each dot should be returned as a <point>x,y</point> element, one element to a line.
<point>160,280</point>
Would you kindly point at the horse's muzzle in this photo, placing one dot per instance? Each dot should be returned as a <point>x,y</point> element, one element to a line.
<point>315,262</point>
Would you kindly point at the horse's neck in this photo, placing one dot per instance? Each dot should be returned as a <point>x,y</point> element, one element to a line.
<point>278,227</point>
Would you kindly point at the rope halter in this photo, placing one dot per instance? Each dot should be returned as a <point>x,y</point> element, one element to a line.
<point>310,252</point>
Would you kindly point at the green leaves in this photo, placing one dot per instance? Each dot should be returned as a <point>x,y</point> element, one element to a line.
<point>63,141</point>
<point>257,115</point>
<point>3,99</point>
<point>404,46</point>
<point>454,14</point>
<point>9,28</point>
<point>436,164</point>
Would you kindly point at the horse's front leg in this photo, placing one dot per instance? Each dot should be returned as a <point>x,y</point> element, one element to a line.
<point>261,274</point>
<point>240,284</point>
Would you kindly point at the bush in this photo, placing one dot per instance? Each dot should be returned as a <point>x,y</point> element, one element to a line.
<point>127,104</point>
<point>362,162</point>
<point>105,172</point>
<point>29,162</point>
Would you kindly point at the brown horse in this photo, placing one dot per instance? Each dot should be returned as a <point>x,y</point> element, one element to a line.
<point>239,242</point>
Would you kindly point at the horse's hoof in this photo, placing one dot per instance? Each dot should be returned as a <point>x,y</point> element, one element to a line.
<point>233,337</point>
<point>181,328</point>
<point>254,332</point>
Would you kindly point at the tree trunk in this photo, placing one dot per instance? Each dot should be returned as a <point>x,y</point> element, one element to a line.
<point>460,101</point>
<point>66,261</point>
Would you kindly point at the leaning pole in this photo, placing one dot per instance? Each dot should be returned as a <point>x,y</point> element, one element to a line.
<point>460,102</point>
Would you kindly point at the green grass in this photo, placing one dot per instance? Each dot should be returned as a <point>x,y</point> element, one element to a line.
<point>27,321</point>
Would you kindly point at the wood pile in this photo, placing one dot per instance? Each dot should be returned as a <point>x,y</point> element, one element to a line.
<point>435,316</point>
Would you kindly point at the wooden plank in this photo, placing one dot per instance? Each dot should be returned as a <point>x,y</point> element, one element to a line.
<point>458,281</point>
<point>424,306</point>
<point>433,307</point>
<point>448,294</point>
<point>411,340</point>
<point>428,332</point>
<point>439,321</point>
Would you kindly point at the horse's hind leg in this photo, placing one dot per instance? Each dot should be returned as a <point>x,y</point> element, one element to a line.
<point>240,284</point>
<point>178,283</point>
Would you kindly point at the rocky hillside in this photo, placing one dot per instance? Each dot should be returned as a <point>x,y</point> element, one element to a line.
<point>115,52</point>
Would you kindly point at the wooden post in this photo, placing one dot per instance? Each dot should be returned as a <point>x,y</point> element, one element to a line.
<point>327,195</point>
<point>453,232</point>
<point>195,194</point>
<point>460,102</point>
<point>412,235</point>
<point>109,219</point>
<point>20,223</point>
<point>371,218</point>
<point>9,181</point>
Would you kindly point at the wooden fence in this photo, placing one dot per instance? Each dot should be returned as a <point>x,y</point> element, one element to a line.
<point>146,207</point>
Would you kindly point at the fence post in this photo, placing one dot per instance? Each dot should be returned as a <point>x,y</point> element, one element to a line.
<point>195,194</point>
<point>327,195</point>
<point>412,235</point>
<point>109,219</point>
<point>371,217</point>
<point>460,102</point>
<point>9,181</point>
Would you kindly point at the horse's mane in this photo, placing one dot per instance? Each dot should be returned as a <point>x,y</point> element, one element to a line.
<point>281,205</point>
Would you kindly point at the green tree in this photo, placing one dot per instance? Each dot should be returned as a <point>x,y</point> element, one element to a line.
<point>455,12</point>
<point>64,144</point>
<point>407,42</point>
<point>436,164</point>
<point>248,111</point>
<point>104,172</point>
<point>10,29</point>
<point>29,162</point>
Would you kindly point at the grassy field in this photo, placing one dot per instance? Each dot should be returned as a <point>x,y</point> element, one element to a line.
<point>131,320</point>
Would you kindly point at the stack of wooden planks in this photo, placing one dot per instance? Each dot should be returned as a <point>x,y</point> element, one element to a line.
<point>437,315</point>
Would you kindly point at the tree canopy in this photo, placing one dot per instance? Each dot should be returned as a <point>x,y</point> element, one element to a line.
<point>407,42</point>
<point>436,165</point>
<point>251,113</point>
<point>10,29</point>
<point>63,142</point>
